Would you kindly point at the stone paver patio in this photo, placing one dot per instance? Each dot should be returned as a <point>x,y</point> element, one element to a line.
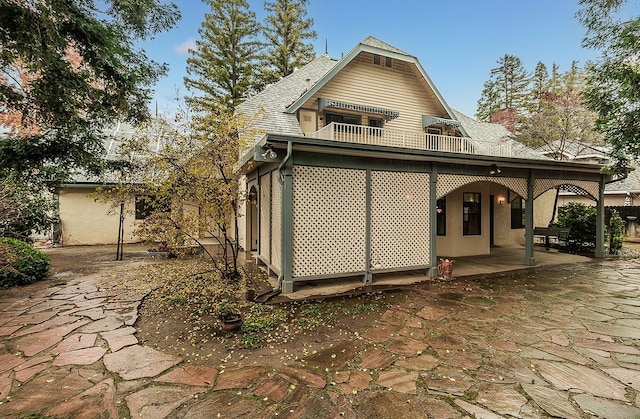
<point>561,342</point>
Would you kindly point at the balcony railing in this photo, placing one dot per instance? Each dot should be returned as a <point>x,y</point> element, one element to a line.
<point>407,139</point>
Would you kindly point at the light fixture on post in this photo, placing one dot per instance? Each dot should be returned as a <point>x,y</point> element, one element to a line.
<point>494,170</point>
<point>269,154</point>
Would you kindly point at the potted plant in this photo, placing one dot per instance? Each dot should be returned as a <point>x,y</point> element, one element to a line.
<point>230,316</point>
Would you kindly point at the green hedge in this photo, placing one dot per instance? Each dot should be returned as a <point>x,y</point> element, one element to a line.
<point>21,263</point>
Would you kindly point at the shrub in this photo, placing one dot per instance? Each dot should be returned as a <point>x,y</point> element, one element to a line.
<point>581,219</point>
<point>21,263</point>
<point>616,232</point>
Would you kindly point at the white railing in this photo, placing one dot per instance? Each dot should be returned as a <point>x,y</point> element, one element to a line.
<point>407,139</point>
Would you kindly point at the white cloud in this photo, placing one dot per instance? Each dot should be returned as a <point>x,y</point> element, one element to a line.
<point>184,47</point>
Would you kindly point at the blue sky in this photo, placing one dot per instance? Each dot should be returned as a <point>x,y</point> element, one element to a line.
<point>457,42</point>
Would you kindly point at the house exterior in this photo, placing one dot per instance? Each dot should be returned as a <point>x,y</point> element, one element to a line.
<point>365,169</point>
<point>86,220</point>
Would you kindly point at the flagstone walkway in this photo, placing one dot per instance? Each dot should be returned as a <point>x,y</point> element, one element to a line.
<point>563,342</point>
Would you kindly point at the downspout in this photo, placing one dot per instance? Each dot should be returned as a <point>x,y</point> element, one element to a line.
<point>278,288</point>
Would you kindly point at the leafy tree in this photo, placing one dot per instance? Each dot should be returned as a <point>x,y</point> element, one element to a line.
<point>221,69</point>
<point>562,122</point>
<point>68,68</point>
<point>507,87</point>
<point>613,87</point>
<point>24,209</point>
<point>286,29</point>
<point>193,175</point>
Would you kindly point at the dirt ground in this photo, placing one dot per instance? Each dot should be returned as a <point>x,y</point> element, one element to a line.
<point>301,329</point>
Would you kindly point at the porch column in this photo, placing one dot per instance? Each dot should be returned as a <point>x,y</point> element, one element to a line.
<point>368,276</point>
<point>529,259</point>
<point>286,227</point>
<point>600,252</point>
<point>433,222</point>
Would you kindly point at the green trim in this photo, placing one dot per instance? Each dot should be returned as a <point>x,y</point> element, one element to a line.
<point>286,227</point>
<point>352,162</point>
<point>529,259</point>
<point>600,228</point>
<point>367,232</point>
<point>433,223</point>
<point>547,168</point>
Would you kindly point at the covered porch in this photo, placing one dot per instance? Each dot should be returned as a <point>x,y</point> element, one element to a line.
<point>501,260</point>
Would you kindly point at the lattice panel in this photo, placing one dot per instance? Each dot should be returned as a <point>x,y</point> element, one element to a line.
<point>400,234</point>
<point>329,219</point>
<point>276,217</point>
<point>449,183</point>
<point>265,215</point>
<point>540,186</point>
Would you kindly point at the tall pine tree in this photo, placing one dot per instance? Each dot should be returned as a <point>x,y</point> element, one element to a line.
<point>286,30</point>
<point>506,88</point>
<point>221,69</point>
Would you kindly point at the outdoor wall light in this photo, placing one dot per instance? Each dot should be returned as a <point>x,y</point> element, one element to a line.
<point>494,170</point>
<point>501,200</point>
<point>269,154</point>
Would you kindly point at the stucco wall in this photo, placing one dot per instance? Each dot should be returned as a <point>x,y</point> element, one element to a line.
<point>87,222</point>
<point>455,244</point>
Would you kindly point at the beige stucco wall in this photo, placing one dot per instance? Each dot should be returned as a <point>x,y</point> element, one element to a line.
<point>612,200</point>
<point>84,221</point>
<point>455,244</point>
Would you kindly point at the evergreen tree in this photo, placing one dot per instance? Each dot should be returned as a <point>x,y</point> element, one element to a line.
<point>540,86</point>
<point>512,81</point>
<point>221,69</point>
<point>613,85</point>
<point>489,101</point>
<point>286,31</point>
<point>507,88</point>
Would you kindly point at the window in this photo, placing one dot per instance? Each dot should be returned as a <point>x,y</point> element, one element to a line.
<point>344,119</point>
<point>471,219</point>
<point>517,213</point>
<point>441,216</point>
<point>147,205</point>
<point>378,60</point>
<point>377,125</point>
<point>436,131</point>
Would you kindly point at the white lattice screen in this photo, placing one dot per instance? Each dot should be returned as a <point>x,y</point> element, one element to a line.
<point>329,207</point>
<point>265,215</point>
<point>276,217</point>
<point>400,234</point>
<point>542,185</point>
<point>449,183</point>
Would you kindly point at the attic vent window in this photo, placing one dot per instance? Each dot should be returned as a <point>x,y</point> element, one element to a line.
<point>381,60</point>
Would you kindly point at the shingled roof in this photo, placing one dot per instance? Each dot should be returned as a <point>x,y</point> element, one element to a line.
<point>277,97</point>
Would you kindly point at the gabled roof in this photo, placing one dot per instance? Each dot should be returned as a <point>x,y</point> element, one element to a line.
<point>374,46</point>
<point>277,97</point>
<point>575,150</point>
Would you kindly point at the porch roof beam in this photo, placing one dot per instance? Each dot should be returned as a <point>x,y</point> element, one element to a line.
<point>561,169</point>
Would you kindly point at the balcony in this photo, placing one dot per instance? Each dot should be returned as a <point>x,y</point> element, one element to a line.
<point>407,139</point>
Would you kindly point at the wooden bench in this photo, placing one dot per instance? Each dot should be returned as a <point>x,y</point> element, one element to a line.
<point>559,235</point>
